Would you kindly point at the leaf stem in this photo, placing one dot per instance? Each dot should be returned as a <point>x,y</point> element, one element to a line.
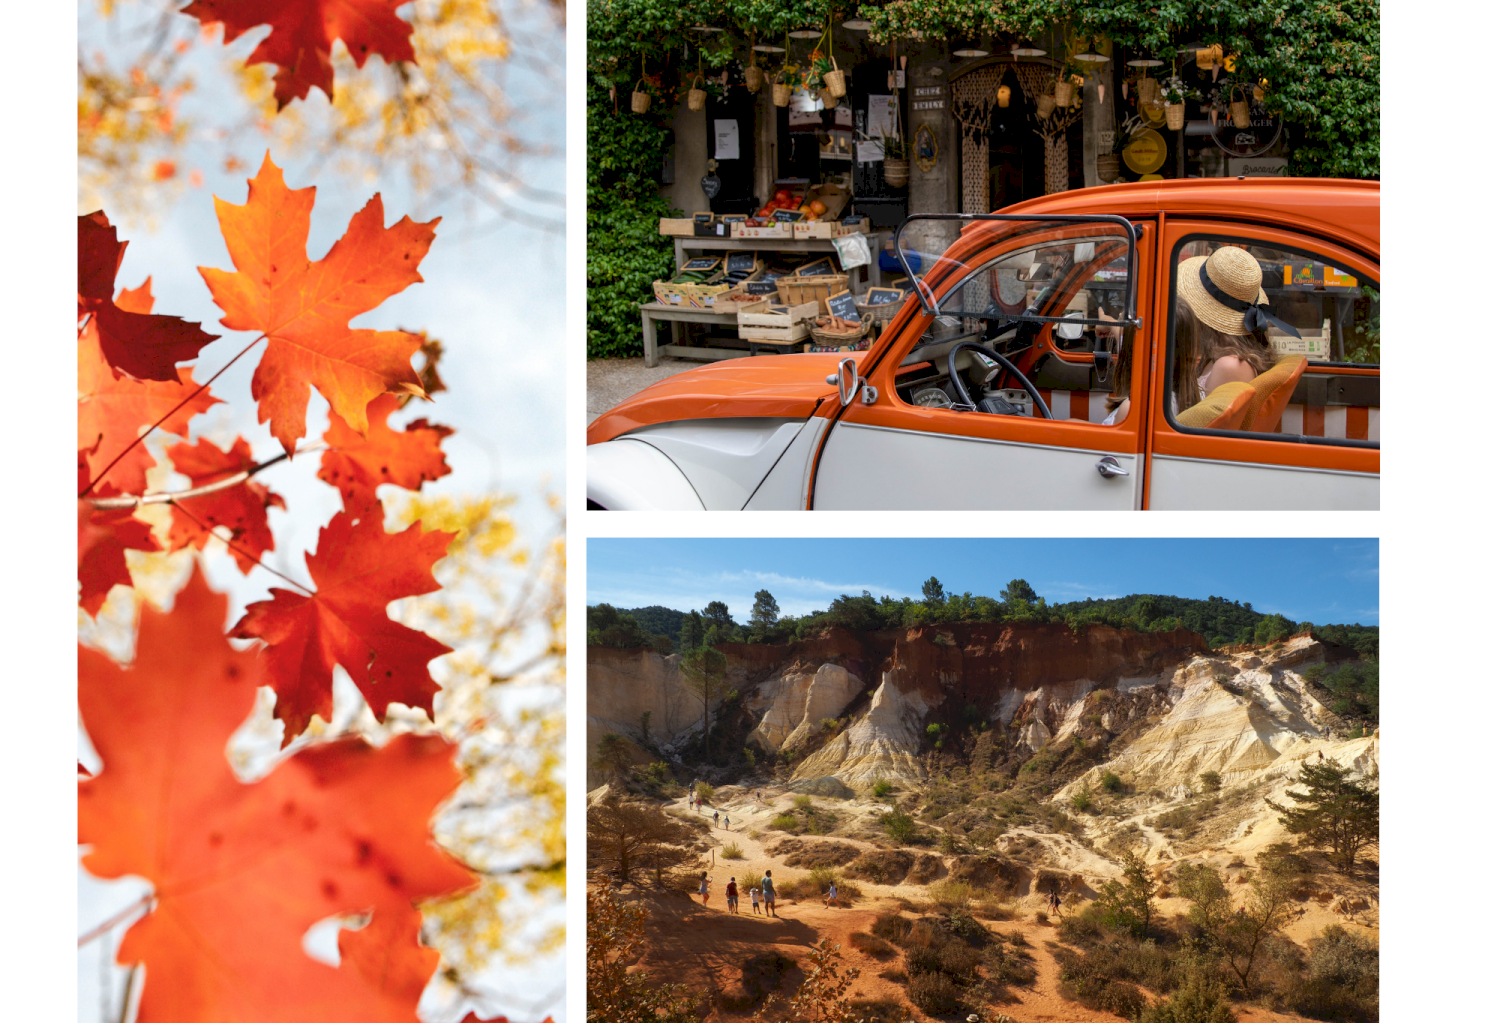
<point>173,411</point>
<point>116,920</point>
<point>238,549</point>
<point>171,496</point>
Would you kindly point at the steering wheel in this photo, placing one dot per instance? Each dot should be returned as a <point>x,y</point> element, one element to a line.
<point>962,388</point>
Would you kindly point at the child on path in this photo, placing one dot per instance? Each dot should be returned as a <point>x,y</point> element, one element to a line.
<point>755,900</point>
<point>703,887</point>
<point>768,891</point>
<point>833,895</point>
<point>732,896</point>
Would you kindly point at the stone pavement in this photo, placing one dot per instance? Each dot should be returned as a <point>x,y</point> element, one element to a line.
<point>611,381</point>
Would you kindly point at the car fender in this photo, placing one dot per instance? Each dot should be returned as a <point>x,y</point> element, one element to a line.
<point>722,460</point>
<point>628,475</point>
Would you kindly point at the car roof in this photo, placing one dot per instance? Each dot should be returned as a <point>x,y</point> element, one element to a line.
<point>1341,209</point>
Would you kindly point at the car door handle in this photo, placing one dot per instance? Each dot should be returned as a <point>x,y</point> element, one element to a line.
<point>1108,466</point>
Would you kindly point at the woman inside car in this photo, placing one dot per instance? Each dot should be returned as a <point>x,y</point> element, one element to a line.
<point>1222,316</point>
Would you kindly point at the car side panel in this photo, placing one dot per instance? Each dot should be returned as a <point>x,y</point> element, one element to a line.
<point>1198,484</point>
<point>785,486</point>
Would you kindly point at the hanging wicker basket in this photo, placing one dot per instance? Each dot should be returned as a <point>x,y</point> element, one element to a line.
<point>697,96</point>
<point>754,78</point>
<point>1148,90</point>
<point>1063,94</point>
<point>827,99</point>
<point>781,94</point>
<point>1239,109</point>
<point>640,102</point>
<point>1108,166</point>
<point>1176,115</point>
<point>897,172</point>
<point>1002,96</point>
<point>1045,105</point>
<point>837,79</point>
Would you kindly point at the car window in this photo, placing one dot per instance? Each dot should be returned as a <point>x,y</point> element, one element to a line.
<point>1300,329</point>
<point>1012,303</point>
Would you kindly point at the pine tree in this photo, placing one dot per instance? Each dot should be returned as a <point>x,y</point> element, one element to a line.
<point>1339,811</point>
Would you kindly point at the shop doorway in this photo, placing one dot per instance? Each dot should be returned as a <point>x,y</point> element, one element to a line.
<point>1009,153</point>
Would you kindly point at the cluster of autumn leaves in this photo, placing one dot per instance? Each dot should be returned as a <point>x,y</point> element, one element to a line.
<point>240,872</point>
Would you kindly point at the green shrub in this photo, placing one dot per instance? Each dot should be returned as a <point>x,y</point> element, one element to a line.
<point>1211,781</point>
<point>705,791</point>
<point>966,927</point>
<point>750,880</point>
<point>803,802</point>
<point>830,724</point>
<point>1197,1001</point>
<point>934,994</point>
<point>1010,965</point>
<point>1110,782</point>
<point>881,788</point>
<point>891,927</point>
<point>732,851</point>
<point>1082,800</point>
<point>950,894</point>
<point>900,826</point>
<point>786,822</point>
<point>1082,983</point>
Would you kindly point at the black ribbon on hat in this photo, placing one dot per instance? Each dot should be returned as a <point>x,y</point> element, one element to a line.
<point>1257,317</point>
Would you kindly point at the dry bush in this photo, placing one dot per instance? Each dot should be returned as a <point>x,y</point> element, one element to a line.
<point>927,869</point>
<point>732,851</point>
<point>879,1010</point>
<point>951,894</point>
<point>989,909</point>
<point>891,927</point>
<point>934,994</point>
<point>988,872</point>
<point>1080,982</point>
<point>1018,939</point>
<point>894,974</point>
<point>1042,917</point>
<point>760,976</point>
<point>883,866</point>
<point>819,854</point>
<point>871,945</point>
<point>1010,965</point>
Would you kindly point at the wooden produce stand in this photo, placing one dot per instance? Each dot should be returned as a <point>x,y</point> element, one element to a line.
<point>653,312</point>
<point>810,246</point>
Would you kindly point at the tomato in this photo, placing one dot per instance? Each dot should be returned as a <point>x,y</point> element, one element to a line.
<point>783,195</point>
<point>818,207</point>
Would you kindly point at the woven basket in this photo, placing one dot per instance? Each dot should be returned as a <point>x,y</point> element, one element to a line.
<point>1176,115</point>
<point>1108,166</point>
<point>1045,104</point>
<point>847,337</point>
<point>754,78</point>
<point>1239,109</point>
<point>696,96</point>
<point>880,314</point>
<point>827,97</point>
<point>781,94</point>
<point>836,80</point>
<point>1063,94</point>
<point>897,172</point>
<point>1148,90</point>
<point>794,290</point>
<point>640,102</point>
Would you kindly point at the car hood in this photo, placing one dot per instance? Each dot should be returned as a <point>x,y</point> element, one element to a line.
<point>780,386</point>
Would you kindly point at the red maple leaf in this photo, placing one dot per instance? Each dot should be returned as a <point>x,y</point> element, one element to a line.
<point>302,35</point>
<point>112,410</point>
<point>240,508</point>
<point>103,537</point>
<point>359,568</point>
<point>240,872</point>
<point>131,340</point>
<point>357,465</point>
<point>304,308</point>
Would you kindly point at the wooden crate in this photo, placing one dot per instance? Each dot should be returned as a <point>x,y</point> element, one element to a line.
<point>794,290</point>
<point>781,232</point>
<point>675,227</point>
<point>777,323</point>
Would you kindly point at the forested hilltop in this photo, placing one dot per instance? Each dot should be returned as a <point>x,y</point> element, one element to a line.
<point>1219,620</point>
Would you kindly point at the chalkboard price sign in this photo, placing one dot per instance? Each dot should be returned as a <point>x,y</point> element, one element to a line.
<point>842,305</point>
<point>740,262</point>
<point>784,216</point>
<point>818,267</point>
<point>701,263</point>
<point>883,296</point>
<point>760,287</point>
<point>703,218</point>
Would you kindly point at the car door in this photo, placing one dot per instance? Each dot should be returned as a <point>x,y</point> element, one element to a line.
<point>1323,449</point>
<point>884,450</point>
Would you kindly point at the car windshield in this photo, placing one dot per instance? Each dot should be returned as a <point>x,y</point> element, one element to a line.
<point>1050,270</point>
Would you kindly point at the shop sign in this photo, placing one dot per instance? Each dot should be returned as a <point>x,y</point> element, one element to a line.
<point>1261,167</point>
<point>929,90</point>
<point>927,104</point>
<point>1255,140</point>
<point>1145,152</point>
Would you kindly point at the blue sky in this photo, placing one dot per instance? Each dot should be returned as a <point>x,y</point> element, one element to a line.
<point>1319,580</point>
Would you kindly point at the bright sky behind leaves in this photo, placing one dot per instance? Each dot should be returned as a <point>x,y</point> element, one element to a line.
<point>1325,581</point>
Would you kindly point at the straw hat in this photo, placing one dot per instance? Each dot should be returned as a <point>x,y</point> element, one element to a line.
<point>1236,274</point>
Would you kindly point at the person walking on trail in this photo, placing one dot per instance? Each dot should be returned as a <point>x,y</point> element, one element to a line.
<point>833,895</point>
<point>1055,904</point>
<point>755,899</point>
<point>716,818</point>
<point>703,887</point>
<point>768,892</point>
<point>726,822</point>
<point>732,896</point>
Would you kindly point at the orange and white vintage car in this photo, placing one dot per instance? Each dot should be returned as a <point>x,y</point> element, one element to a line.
<point>1065,353</point>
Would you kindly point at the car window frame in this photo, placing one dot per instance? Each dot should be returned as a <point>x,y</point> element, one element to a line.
<point>1169,335</point>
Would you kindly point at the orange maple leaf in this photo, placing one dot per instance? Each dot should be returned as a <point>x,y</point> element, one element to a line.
<point>302,35</point>
<point>103,538</point>
<point>357,465</point>
<point>304,308</point>
<point>358,568</point>
<point>112,410</point>
<point>240,872</point>
<point>146,347</point>
<point>240,508</point>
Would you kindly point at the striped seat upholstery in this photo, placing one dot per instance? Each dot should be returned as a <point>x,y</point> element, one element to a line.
<point>1224,409</point>
<point>1340,422</point>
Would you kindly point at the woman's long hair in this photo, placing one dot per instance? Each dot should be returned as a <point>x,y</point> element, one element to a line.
<point>1199,346</point>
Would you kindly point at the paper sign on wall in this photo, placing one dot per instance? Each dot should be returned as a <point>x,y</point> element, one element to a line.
<point>882,116</point>
<point>870,152</point>
<point>726,139</point>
